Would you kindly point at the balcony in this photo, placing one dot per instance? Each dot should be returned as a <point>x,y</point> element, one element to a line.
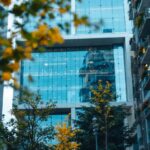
<point>146,81</point>
<point>142,5</point>
<point>146,95</point>
<point>82,72</point>
<point>146,57</point>
<point>134,65</point>
<point>133,44</point>
<point>135,3</point>
<point>130,11</point>
<point>142,71</point>
<point>145,27</point>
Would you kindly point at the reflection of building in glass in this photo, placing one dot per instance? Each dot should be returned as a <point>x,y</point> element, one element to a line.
<point>65,73</point>
<point>66,76</point>
<point>99,65</point>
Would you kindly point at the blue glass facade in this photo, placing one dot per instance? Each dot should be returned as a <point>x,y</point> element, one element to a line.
<point>65,76</point>
<point>55,119</point>
<point>33,22</point>
<point>111,12</point>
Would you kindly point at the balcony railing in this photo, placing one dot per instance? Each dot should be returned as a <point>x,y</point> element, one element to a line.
<point>146,95</point>
<point>136,3</point>
<point>146,56</point>
<point>142,5</point>
<point>144,30</point>
<point>146,81</point>
<point>133,44</point>
<point>130,11</point>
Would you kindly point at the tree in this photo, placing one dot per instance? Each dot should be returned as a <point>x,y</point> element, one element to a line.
<point>65,136</point>
<point>7,136</point>
<point>31,129</point>
<point>113,134</point>
<point>45,33</point>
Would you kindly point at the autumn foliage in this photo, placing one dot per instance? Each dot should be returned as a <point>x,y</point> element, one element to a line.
<point>64,136</point>
<point>44,34</point>
<point>6,2</point>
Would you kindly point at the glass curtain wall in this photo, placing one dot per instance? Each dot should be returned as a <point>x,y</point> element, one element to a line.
<point>111,12</point>
<point>32,22</point>
<point>55,120</point>
<point>66,75</point>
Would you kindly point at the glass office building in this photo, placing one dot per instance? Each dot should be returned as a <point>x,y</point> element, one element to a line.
<point>111,13</point>
<point>65,74</point>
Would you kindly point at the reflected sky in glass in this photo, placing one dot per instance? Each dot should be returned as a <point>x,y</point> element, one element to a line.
<point>111,12</point>
<point>65,76</point>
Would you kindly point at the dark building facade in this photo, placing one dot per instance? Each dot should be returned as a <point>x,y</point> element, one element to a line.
<point>140,46</point>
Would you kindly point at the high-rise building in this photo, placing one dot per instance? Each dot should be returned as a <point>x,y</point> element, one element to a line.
<point>140,46</point>
<point>65,73</point>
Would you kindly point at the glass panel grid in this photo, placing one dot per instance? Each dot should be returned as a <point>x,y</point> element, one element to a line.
<point>66,76</point>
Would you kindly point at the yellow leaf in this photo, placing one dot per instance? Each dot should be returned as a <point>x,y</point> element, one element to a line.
<point>34,45</point>
<point>43,42</point>
<point>28,49</point>
<point>62,10</point>
<point>7,52</point>
<point>14,66</point>
<point>6,2</point>
<point>64,136</point>
<point>43,29</point>
<point>27,55</point>
<point>6,76</point>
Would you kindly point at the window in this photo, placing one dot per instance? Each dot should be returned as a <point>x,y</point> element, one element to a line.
<point>66,75</point>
